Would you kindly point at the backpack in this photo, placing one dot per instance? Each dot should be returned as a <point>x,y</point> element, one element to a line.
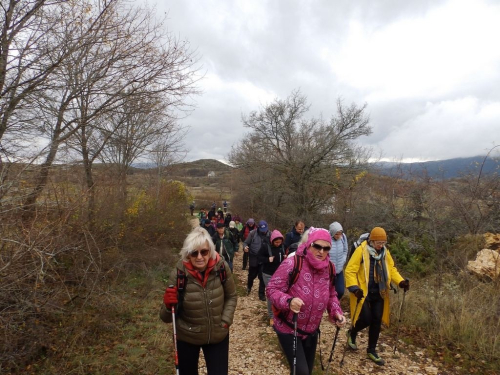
<point>182,280</point>
<point>355,245</point>
<point>252,235</point>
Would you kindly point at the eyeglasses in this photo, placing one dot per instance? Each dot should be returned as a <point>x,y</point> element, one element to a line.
<point>379,243</point>
<point>203,252</point>
<point>319,247</point>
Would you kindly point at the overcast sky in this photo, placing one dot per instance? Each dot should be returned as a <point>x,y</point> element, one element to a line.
<point>428,69</point>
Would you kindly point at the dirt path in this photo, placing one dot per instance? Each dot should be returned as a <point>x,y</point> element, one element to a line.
<point>254,348</point>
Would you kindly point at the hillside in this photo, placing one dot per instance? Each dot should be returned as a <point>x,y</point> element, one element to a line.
<point>199,168</point>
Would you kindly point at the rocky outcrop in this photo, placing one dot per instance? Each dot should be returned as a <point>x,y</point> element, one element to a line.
<point>487,263</point>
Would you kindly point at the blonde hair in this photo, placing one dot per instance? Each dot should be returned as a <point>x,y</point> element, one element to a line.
<point>198,237</point>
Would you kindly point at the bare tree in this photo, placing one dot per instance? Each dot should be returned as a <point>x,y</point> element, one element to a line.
<point>119,55</point>
<point>301,155</point>
<point>168,150</point>
<point>25,63</point>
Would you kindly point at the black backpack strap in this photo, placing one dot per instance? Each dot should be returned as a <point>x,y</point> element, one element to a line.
<point>222,273</point>
<point>283,319</point>
<point>181,288</point>
<point>268,244</point>
<point>181,282</point>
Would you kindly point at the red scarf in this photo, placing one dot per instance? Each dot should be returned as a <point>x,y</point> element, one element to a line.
<point>202,278</point>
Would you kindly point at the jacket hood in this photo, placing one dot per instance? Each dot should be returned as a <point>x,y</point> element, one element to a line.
<point>275,234</point>
<point>335,227</point>
<point>314,234</point>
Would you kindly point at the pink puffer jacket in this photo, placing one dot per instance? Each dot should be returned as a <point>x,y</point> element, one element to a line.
<point>312,286</point>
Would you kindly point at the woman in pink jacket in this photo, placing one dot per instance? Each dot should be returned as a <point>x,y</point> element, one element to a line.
<point>309,296</point>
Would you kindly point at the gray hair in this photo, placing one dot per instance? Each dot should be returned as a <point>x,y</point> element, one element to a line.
<point>198,237</point>
<point>305,236</point>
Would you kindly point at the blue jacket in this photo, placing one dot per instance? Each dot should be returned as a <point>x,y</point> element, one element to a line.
<point>338,253</point>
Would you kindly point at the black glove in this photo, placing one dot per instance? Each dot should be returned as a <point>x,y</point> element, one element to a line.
<point>358,293</point>
<point>405,284</point>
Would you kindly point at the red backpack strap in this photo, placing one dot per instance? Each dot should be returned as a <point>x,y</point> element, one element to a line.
<point>294,273</point>
<point>331,271</point>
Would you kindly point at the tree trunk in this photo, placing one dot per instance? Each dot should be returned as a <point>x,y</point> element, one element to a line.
<point>89,178</point>
<point>41,181</point>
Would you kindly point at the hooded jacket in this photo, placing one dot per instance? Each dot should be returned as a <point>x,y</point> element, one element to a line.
<point>207,304</point>
<point>312,286</point>
<point>277,252</point>
<point>357,274</point>
<point>338,253</point>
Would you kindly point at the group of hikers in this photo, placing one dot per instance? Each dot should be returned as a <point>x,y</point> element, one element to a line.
<point>301,275</point>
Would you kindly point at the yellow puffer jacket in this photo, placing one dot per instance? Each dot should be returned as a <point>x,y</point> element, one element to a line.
<point>204,310</point>
<point>357,273</point>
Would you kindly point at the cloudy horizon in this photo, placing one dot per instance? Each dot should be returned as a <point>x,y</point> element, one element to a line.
<point>426,69</point>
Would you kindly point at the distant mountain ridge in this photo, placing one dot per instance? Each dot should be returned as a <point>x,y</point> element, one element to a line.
<point>445,169</point>
<point>197,168</point>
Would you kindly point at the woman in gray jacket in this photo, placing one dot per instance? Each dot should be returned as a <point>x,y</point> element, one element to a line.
<point>338,255</point>
<point>205,300</point>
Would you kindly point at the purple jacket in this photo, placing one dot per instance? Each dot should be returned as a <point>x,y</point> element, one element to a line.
<point>312,286</point>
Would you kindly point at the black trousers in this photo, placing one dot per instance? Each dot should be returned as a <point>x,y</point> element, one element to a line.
<point>306,351</point>
<point>216,357</point>
<point>245,260</point>
<point>262,285</point>
<point>370,316</point>
<point>253,272</point>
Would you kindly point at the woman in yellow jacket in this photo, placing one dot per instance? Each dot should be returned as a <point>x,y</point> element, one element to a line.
<point>368,277</point>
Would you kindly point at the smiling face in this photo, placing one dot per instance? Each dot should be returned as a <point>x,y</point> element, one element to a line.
<point>320,249</point>
<point>299,228</point>
<point>200,261</point>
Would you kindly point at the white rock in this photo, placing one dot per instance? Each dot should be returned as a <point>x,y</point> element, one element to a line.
<point>431,370</point>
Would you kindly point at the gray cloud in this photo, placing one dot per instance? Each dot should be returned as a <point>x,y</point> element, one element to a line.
<point>426,69</point>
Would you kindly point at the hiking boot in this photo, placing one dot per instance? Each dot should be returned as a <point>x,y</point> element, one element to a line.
<point>248,291</point>
<point>350,342</point>
<point>262,298</point>
<point>375,358</point>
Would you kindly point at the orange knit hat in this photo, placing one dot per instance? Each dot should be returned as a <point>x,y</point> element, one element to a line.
<point>378,234</point>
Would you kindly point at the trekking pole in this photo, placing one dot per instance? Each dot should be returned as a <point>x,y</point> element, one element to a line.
<point>333,348</point>
<point>294,319</point>
<point>347,343</point>
<point>176,356</point>
<point>399,322</point>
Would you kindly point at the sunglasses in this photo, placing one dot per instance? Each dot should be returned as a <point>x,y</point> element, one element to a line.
<point>194,253</point>
<point>319,247</point>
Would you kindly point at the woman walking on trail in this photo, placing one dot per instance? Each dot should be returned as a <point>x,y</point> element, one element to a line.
<point>373,260</point>
<point>205,302</point>
<point>271,257</point>
<point>338,255</point>
<point>307,298</point>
